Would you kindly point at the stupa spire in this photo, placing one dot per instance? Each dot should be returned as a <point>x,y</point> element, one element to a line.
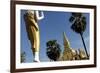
<point>65,41</point>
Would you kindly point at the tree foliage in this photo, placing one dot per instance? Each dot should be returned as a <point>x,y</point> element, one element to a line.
<point>78,22</point>
<point>23,55</point>
<point>53,50</point>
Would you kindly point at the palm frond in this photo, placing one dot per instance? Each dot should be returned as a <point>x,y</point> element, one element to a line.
<point>71,19</point>
<point>53,50</point>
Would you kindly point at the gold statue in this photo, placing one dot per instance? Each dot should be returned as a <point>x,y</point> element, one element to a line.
<point>33,32</point>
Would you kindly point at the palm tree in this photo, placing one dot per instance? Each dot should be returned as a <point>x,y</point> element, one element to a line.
<point>79,25</point>
<point>53,50</point>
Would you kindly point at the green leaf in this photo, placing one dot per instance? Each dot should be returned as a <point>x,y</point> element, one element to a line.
<point>71,19</point>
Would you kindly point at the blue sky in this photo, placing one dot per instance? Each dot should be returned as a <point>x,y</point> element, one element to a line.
<point>52,27</point>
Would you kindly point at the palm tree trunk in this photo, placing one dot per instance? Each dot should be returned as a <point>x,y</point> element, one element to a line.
<point>84,45</point>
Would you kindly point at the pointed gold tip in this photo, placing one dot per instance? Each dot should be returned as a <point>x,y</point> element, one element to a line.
<point>65,41</point>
